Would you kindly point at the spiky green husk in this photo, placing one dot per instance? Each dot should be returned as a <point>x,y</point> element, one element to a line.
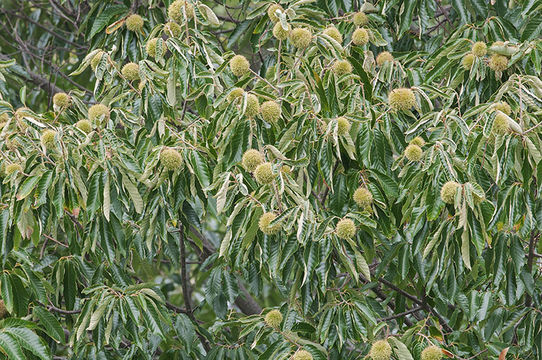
<point>273,318</point>
<point>84,125</point>
<point>270,111</point>
<point>150,47</point>
<point>134,23</point>
<point>235,94</point>
<point>264,173</point>
<point>413,152</point>
<point>417,141</point>
<point>62,100</point>
<point>447,192</point>
<point>346,229</point>
<point>467,61</point>
<point>239,65</point>
<point>360,19</point>
<point>300,38</point>
<point>301,355</point>
<point>402,99</point>
<point>431,352</point>
<point>263,224</point>
<point>173,29</point>
<point>48,139</point>
<point>175,10</point>
<point>251,159</point>
<point>253,106</point>
<point>279,32</point>
<point>360,36</point>
<point>334,33</point>
<point>502,106</point>
<point>97,112</point>
<point>380,350</point>
<point>171,159</point>
<point>130,71</point>
<point>384,57</point>
<point>500,124</point>
<point>342,67</point>
<point>343,126</point>
<point>363,197</point>
<point>12,168</point>
<point>479,49</point>
<point>498,62</point>
<point>271,12</point>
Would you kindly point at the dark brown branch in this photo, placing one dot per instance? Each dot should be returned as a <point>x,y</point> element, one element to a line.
<point>405,313</point>
<point>530,261</point>
<point>245,302</point>
<point>422,303</point>
<point>185,285</point>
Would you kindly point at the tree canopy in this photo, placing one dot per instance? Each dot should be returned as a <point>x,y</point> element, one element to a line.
<point>307,179</point>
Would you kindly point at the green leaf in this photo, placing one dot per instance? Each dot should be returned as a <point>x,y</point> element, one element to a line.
<point>30,341</point>
<point>50,323</point>
<point>11,347</point>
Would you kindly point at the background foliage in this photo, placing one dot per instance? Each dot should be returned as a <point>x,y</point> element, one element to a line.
<point>106,254</point>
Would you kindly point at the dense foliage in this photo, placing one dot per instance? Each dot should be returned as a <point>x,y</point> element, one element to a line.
<point>315,179</point>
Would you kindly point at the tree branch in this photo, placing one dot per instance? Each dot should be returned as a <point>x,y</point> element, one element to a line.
<point>186,294</point>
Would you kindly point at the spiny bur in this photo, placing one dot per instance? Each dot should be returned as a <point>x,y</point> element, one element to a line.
<point>235,94</point>
<point>251,159</point>
<point>360,19</point>
<point>363,197</point>
<point>270,111</point>
<point>413,152</point>
<point>272,12</point>
<point>498,62</point>
<point>467,61</point>
<point>431,352</point>
<point>479,49</point>
<point>173,29</point>
<point>134,23</point>
<point>273,318</point>
<point>384,57</point>
<point>279,32</point>
<point>360,36</point>
<point>48,139</point>
<point>502,106</point>
<point>171,159</point>
<point>418,140</point>
<point>239,65</point>
<point>301,355</point>
<point>380,350</point>
<point>500,124</point>
<point>12,168</point>
<point>334,33</point>
<point>62,100</point>
<point>300,38</point>
<point>150,47</point>
<point>346,229</point>
<point>84,125</point>
<point>264,226</point>
<point>342,67</point>
<point>98,112</point>
<point>264,173</point>
<point>130,71</point>
<point>402,99</point>
<point>253,106</point>
<point>448,191</point>
<point>175,10</point>
<point>343,126</point>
